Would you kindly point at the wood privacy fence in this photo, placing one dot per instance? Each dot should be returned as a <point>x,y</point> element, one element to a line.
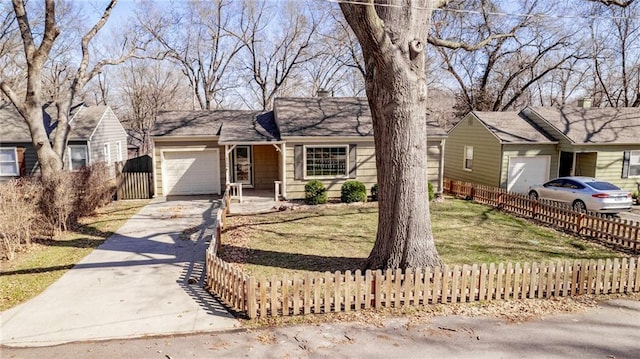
<point>134,179</point>
<point>622,234</point>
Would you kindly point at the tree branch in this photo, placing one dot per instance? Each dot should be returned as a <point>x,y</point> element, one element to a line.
<point>621,3</point>
<point>454,45</point>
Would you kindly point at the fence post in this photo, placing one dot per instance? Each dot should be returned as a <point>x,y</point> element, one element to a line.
<point>579,224</point>
<point>251,298</point>
<point>472,192</point>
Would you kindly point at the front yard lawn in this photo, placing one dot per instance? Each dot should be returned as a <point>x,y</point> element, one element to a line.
<point>340,237</point>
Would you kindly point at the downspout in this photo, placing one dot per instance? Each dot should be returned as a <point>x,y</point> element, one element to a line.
<point>283,170</point>
<point>441,168</point>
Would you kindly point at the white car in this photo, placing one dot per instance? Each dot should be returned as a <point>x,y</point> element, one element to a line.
<point>584,194</point>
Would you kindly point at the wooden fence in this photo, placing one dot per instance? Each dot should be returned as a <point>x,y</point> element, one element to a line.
<point>345,292</point>
<point>353,291</point>
<point>622,234</point>
<point>133,185</point>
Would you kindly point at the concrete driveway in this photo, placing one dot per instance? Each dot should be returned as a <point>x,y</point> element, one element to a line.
<point>147,279</point>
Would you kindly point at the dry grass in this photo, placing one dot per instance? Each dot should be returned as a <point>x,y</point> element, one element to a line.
<point>29,273</point>
<point>340,237</point>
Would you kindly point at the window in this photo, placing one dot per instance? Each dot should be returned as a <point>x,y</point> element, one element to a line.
<point>107,153</point>
<point>119,150</point>
<point>77,157</point>
<point>9,162</point>
<point>326,161</point>
<point>468,158</point>
<point>634,164</point>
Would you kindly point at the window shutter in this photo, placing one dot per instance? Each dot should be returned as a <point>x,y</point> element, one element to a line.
<point>625,164</point>
<point>297,162</point>
<point>353,161</point>
<point>22,168</point>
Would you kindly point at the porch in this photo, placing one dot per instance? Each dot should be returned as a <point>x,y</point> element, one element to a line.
<point>251,200</point>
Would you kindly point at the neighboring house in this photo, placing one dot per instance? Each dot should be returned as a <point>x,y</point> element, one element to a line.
<point>325,138</point>
<point>96,135</point>
<point>515,150</point>
<point>595,142</point>
<point>500,149</point>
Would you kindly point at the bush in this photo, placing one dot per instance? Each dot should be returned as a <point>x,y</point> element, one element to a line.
<point>18,216</point>
<point>57,201</point>
<point>315,193</point>
<point>374,192</point>
<point>353,191</point>
<point>92,190</point>
<point>431,193</point>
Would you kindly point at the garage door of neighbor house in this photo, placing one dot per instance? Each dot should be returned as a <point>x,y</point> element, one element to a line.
<point>527,171</point>
<point>191,172</point>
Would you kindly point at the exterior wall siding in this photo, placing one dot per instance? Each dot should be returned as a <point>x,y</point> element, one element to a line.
<point>609,165</point>
<point>487,157</point>
<point>163,145</point>
<point>27,160</point>
<point>108,131</point>
<point>366,167</point>
<point>266,167</point>
<point>365,173</point>
<point>528,151</point>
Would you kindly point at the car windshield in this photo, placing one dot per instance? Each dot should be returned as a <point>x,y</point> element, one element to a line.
<point>603,186</point>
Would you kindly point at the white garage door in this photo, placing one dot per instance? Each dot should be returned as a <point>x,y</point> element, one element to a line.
<point>527,171</point>
<point>191,172</point>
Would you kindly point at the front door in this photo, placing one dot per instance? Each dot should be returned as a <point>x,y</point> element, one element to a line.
<point>243,165</point>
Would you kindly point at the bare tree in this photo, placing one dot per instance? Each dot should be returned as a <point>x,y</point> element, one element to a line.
<point>276,45</point>
<point>200,37</point>
<point>71,79</point>
<point>501,74</point>
<point>148,88</point>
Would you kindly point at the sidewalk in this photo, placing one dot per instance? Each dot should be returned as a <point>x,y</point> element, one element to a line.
<point>611,330</point>
<point>147,279</point>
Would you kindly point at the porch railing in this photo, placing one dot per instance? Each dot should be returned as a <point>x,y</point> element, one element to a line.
<point>235,191</point>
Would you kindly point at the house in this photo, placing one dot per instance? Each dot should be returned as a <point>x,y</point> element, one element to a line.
<point>514,150</point>
<point>96,135</point>
<point>500,149</point>
<point>595,142</point>
<point>325,138</point>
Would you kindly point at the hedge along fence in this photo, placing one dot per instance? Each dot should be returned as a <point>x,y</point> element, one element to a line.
<point>622,234</point>
<point>345,292</point>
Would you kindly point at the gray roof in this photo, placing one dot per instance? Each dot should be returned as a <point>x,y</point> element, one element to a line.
<point>84,122</point>
<point>330,116</point>
<point>259,127</point>
<point>509,127</point>
<point>196,123</point>
<point>13,128</point>
<point>594,125</point>
<point>323,116</point>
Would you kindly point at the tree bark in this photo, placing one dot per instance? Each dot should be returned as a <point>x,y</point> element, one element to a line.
<point>392,40</point>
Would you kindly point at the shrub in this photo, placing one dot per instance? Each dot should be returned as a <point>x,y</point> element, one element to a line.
<point>374,192</point>
<point>18,215</point>
<point>353,191</point>
<point>315,192</point>
<point>431,193</point>
<point>57,200</point>
<point>92,190</point>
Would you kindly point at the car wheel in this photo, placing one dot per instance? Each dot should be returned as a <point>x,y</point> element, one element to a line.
<point>579,206</point>
<point>533,195</point>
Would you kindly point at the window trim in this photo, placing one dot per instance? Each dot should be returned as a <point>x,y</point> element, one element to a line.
<point>15,162</point>
<point>86,157</point>
<point>465,158</point>
<point>631,164</point>
<point>304,162</point>
<point>119,151</point>
<point>107,153</point>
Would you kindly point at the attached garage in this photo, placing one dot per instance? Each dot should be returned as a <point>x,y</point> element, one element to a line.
<point>190,172</point>
<point>527,171</point>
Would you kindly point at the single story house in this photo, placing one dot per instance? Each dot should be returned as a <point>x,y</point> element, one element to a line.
<point>325,138</point>
<point>96,135</point>
<point>515,150</point>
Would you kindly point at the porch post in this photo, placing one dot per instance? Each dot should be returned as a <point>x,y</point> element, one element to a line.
<point>283,170</point>
<point>441,168</point>
<point>227,160</point>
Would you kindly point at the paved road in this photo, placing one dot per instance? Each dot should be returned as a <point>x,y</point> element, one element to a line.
<point>136,283</point>
<point>609,331</point>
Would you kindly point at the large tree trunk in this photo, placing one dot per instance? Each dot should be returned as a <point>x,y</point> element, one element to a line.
<point>392,40</point>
